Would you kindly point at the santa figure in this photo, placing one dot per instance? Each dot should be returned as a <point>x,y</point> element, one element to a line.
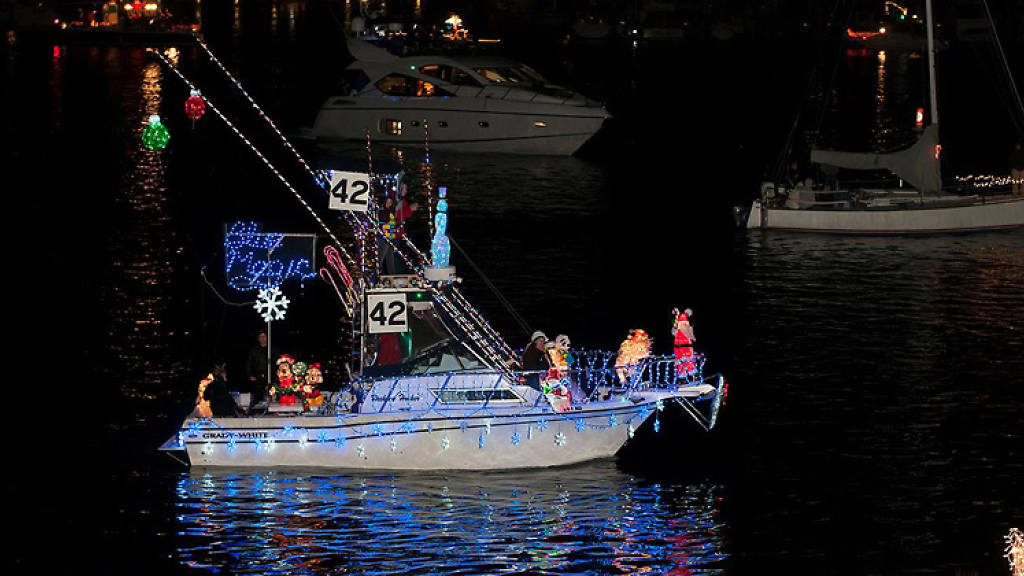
<point>683,339</point>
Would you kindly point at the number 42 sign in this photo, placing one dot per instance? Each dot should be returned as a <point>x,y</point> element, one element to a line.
<point>387,312</point>
<point>350,191</point>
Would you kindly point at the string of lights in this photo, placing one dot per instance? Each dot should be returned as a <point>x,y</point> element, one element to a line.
<point>255,150</point>
<point>988,180</point>
<point>362,224</point>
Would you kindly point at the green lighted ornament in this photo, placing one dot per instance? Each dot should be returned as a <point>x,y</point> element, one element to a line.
<point>155,134</point>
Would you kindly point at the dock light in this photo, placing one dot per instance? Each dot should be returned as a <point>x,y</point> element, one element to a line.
<point>151,7</point>
<point>919,118</point>
<point>881,30</point>
<point>128,7</point>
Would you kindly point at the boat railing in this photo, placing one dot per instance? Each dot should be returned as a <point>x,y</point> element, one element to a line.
<point>599,373</point>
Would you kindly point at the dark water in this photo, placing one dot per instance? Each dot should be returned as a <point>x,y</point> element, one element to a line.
<point>873,422</point>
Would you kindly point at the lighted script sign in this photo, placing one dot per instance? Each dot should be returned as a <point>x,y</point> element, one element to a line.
<point>255,260</point>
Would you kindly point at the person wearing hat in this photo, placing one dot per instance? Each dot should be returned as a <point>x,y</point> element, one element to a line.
<point>535,358</point>
<point>682,341</point>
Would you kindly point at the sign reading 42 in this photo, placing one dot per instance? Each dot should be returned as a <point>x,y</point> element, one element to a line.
<point>387,312</point>
<point>350,191</point>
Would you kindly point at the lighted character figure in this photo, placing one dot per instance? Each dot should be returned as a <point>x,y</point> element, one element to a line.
<point>287,388</point>
<point>555,390</point>
<point>311,389</point>
<point>560,353</point>
<point>633,349</point>
<point>203,409</point>
<point>683,339</point>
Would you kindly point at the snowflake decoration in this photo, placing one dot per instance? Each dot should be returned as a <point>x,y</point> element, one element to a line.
<point>463,425</point>
<point>259,444</point>
<point>287,430</point>
<point>643,413</point>
<point>361,450</point>
<point>612,421</point>
<point>560,439</point>
<point>407,427</point>
<point>480,442</point>
<point>580,425</point>
<point>542,424</point>
<point>445,442</point>
<point>232,445</point>
<point>430,427</point>
<point>378,430</point>
<point>271,304</point>
<point>487,426</point>
<point>340,441</point>
<point>321,437</point>
<point>659,405</point>
<point>630,431</point>
<point>303,441</point>
<point>516,439</point>
<point>394,445</point>
<point>657,425</point>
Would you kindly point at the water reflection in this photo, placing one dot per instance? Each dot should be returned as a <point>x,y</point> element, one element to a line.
<point>142,246</point>
<point>591,519</point>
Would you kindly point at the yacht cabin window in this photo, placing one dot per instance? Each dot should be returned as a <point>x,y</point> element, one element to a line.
<point>449,74</point>
<point>478,395</point>
<point>401,85</point>
<point>511,75</point>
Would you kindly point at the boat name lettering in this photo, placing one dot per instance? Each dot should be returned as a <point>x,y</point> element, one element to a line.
<point>401,397</point>
<point>211,435</point>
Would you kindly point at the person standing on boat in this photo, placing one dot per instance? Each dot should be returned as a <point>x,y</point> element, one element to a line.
<point>397,211</point>
<point>535,359</point>
<point>682,341</point>
<point>1017,170</point>
<point>256,367</point>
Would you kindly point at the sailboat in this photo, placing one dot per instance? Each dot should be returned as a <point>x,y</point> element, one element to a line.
<point>921,208</point>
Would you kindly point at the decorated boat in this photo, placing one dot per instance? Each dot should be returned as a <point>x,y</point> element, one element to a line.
<point>431,383</point>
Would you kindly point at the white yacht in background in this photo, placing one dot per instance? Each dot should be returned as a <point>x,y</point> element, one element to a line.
<point>474,104</point>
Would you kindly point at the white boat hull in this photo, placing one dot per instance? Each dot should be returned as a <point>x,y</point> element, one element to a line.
<point>462,124</point>
<point>991,215</point>
<point>536,438</point>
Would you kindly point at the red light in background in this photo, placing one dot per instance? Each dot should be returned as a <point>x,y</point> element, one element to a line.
<point>938,150</point>
<point>919,118</point>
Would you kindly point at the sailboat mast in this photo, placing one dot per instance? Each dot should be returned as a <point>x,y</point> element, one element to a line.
<point>931,61</point>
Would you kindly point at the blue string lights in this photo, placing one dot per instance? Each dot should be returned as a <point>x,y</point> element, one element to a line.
<point>250,262</point>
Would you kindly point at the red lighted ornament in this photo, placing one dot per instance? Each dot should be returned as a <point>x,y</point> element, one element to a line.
<point>195,107</point>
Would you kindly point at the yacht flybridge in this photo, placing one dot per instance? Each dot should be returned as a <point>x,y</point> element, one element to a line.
<point>474,104</point>
<point>444,403</point>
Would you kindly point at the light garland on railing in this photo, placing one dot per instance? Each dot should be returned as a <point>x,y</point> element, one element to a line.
<point>988,180</point>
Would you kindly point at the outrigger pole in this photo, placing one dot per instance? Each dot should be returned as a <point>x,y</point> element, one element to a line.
<point>497,352</point>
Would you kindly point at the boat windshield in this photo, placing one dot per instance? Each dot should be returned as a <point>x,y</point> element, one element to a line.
<point>511,75</point>
<point>426,348</point>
